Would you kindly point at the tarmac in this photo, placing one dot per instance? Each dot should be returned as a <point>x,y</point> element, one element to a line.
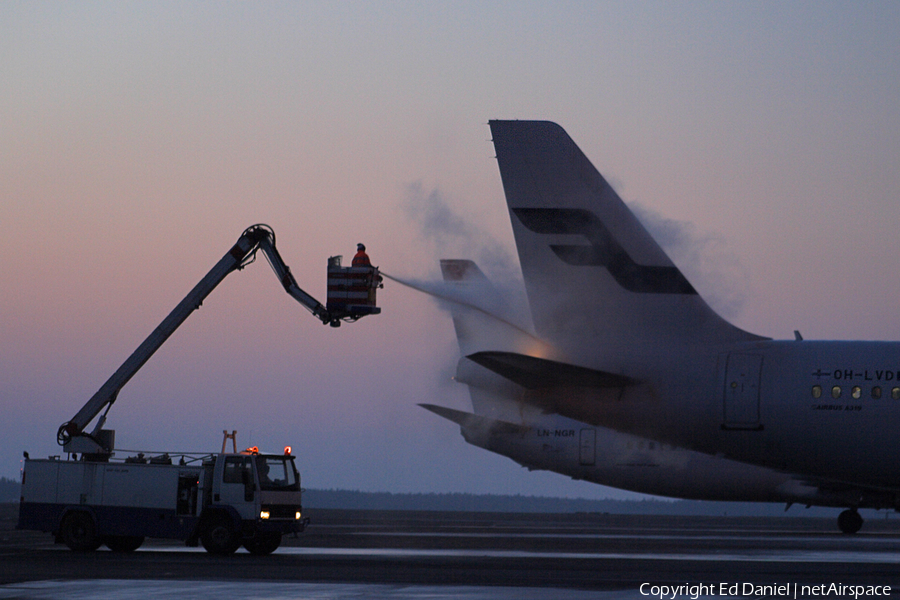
<point>409,555</point>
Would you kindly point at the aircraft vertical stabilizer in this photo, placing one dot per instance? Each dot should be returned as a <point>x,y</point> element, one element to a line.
<point>483,324</point>
<point>481,316</point>
<point>595,277</point>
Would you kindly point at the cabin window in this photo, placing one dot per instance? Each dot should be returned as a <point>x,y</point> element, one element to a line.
<point>895,393</point>
<point>817,391</point>
<point>856,392</point>
<point>836,392</point>
<point>237,469</point>
<point>876,392</point>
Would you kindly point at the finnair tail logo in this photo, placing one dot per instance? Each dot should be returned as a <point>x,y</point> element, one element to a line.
<point>604,250</point>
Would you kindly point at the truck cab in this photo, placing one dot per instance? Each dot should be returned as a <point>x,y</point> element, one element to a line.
<point>253,499</point>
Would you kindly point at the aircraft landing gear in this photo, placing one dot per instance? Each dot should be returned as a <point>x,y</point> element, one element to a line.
<point>849,521</point>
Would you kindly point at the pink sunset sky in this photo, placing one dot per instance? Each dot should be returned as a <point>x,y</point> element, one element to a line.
<point>138,140</point>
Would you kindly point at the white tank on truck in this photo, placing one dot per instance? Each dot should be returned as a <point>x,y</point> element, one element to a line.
<point>222,500</point>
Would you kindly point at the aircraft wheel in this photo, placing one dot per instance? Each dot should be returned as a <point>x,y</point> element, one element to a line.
<point>850,521</point>
<point>219,537</point>
<point>123,543</point>
<point>79,533</point>
<point>263,543</point>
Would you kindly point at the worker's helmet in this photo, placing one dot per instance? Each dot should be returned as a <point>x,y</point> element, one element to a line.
<point>361,247</point>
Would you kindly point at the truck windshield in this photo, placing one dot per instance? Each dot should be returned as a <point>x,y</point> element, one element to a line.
<point>276,473</point>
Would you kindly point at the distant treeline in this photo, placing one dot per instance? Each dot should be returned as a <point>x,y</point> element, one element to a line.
<point>541,504</point>
<point>9,492</point>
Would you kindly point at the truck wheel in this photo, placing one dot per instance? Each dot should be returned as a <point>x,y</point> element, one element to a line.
<point>263,543</point>
<point>123,543</point>
<point>79,533</point>
<point>219,537</point>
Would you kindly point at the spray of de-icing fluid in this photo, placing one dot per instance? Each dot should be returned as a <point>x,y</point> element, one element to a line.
<point>450,293</point>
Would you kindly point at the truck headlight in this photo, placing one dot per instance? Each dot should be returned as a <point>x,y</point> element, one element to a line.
<point>264,514</point>
<point>297,516</point>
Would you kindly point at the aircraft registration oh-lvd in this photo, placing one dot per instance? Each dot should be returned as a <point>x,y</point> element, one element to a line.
<point>631,380</point>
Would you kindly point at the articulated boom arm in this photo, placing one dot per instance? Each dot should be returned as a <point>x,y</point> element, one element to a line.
<point>267,245</point>
<point>257,237</point>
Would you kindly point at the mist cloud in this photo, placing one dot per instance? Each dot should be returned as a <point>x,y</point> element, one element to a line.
<point>703,258</point>
<point>455,236</point>
<point>452,235</point>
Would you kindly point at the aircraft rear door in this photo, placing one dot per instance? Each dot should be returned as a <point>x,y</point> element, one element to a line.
<point>742,375</point>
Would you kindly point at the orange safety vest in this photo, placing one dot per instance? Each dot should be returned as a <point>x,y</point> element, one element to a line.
<point>361,260</point>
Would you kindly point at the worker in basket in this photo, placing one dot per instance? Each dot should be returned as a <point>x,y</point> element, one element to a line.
<point>361,259</point>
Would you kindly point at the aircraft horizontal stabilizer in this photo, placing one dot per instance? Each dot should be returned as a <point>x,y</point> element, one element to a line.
<point>457,416</point>
<point>537,373</point>
<point>469,422</point>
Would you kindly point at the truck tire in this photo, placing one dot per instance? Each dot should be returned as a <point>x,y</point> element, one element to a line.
<point>78,532</point>
<point>123,543</point>
<point>263,543</point>
<point>219,537</point>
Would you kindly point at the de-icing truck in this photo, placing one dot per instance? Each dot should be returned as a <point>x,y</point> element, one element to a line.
<point>222,500</point>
